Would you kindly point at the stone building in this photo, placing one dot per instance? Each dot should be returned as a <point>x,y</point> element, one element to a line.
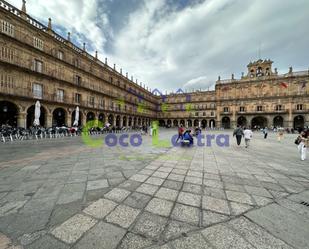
<point>38,64</point>
<point>260,98</point>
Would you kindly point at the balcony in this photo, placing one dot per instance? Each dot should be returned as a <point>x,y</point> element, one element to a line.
<point>226,113</point>
<point>303,111</point>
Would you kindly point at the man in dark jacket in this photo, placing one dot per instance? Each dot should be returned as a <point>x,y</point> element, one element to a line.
<point>238,132</point>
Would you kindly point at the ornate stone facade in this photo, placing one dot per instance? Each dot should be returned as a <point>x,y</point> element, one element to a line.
<point>38,64</point>
<point>260,98</point>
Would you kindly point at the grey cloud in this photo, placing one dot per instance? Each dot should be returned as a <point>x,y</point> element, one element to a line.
<point>166,44</point>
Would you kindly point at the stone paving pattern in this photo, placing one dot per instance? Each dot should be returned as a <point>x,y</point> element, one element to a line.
<point>71,196</point>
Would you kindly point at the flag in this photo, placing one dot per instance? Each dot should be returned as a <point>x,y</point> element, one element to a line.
<point>284,85</point>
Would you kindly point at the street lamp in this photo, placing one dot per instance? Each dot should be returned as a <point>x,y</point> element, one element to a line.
<point>5,108</point>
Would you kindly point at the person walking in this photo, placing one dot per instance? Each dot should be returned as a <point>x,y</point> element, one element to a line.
<point>265,132</point>
<point>303,144</point>
<point>280,134</point>
<point>238,132</point>
<point>180,132</point>
<point>247,135</point>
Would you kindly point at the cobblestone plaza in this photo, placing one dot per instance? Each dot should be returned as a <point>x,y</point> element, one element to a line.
<point>61,193</point>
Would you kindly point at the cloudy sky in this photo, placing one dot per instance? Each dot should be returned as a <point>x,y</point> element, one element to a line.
<point>171,44</point>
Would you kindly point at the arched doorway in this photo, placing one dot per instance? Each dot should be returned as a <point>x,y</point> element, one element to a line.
<point>90,116</point>
<point>212,123</point>
<point>59,117</point>
<point>130,122</point>
<point>134,122</point>
<point>226,123</point>
<point>124,121</point>
<point>299,122</point>
<point>117,121</point>
<point>204,123</point>
<point>189,123</point>
<point>161,122</point>
<point>182,122</point>
<point>175,123</point>
<point>79,118</point>
<point>8,113</point>
<point>278,121</point>
<point>169,123</point>
<point>195,122</point>
<point>242,121</point>
<point>111,119</point>
<point>102,118</point>
<point>30,116</point>
<point>259,122</point>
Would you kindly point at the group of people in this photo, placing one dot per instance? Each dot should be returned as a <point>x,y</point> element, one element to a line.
<point>184,135</point>
<point>239,132</point>
<point>302,141</point>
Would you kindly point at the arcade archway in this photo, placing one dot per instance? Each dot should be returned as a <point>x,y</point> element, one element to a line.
<point>30,116</point>
<point>299,122</point>
<point>226,122</point>
<point>242,121</point>
<point>59,117</point>
<point>204,123</point>
<point>90,116</point>
<point>259,122</point>
<point>278,121</point>
<point>8,113</point>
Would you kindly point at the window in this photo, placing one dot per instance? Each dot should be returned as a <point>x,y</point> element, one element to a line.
<point>101,103</point>
<point>78,80</point>
<point>6,81</point>
<point>77,98</point>
<point>6,53</point>
<point>37,90</point>
<point>37,66</point>
<point>259,108</point>
<point>60,55</point>
<point>278,107</point>
<point>225,109</point>
<point>196,114</point>
<point>38,43</point>
<point>111,79</point>
<point>204,114</point>
<point>76,62</point>
<point>299,107</point>
<point>241,108</point>
<point>212,114</point>
<point>91,100</point>
<point>60,95</point>
<point>7,28</point>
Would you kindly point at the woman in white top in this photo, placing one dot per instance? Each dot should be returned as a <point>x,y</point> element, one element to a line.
<point>247,135</point>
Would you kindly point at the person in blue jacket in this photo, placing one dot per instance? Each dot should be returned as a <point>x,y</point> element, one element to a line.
<point>187,136</point>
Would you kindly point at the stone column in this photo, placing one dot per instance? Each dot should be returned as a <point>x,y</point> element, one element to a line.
<point>49,120</point>
<point>199,123</point>
<point>290,118</point>
<point>22,120</point>
<point>83,118</point>
<point>69,119</point>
